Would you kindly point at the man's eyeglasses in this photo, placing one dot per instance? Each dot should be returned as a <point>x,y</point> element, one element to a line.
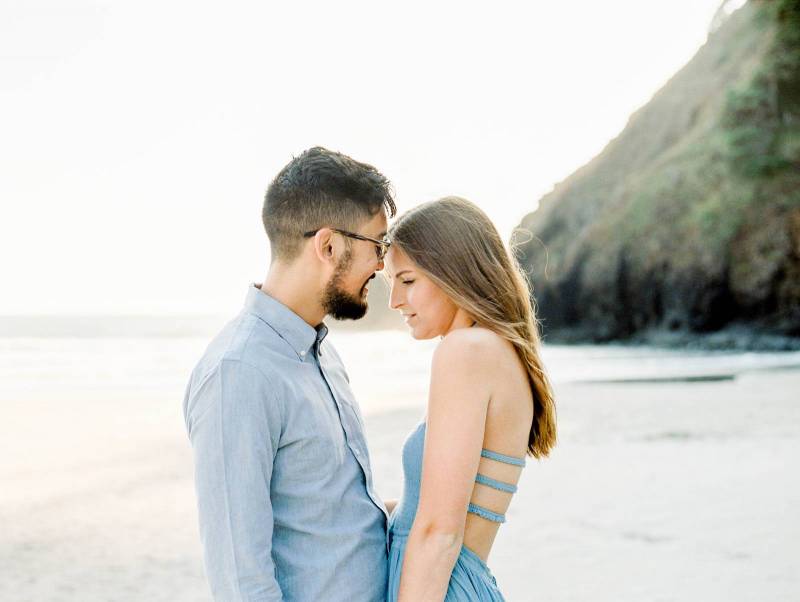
<point>381,246</point>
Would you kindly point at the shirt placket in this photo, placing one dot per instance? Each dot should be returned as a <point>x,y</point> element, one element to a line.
<point>355,443</point>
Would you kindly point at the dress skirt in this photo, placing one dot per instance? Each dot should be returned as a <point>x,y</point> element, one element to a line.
<point>471,580</point>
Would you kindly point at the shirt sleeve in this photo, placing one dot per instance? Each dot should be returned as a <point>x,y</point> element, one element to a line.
<point>234,425</point>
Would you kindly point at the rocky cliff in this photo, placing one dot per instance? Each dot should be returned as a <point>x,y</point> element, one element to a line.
<point>688,221</point>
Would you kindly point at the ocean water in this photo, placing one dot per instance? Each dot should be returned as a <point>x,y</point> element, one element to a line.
<point>388,369</point>
<point>673,478</point>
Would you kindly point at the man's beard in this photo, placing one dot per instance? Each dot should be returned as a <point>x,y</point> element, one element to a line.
<point>339,304</point>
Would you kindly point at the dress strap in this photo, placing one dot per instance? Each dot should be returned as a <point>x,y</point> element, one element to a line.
<point>502,458</point>
<point>487,514</point>
<point>484,480</point>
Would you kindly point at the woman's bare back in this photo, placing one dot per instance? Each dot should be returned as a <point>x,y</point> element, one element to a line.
<point>508,423</point>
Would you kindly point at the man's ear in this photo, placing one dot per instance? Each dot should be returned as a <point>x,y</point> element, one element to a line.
<point>326,245</point>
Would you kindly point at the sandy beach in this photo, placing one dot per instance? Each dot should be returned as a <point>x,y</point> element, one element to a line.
<point>677,491</point>
<point>661,493</point>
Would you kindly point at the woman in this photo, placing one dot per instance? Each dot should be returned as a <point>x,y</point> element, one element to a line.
<point>490,402</point>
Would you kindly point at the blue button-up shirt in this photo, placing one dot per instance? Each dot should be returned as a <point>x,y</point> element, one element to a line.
<point>286,502</point>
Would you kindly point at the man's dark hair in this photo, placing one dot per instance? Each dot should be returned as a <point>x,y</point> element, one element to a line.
<point>321,188</point>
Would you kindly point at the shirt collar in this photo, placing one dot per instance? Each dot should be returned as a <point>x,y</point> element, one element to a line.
<point>299,334</point>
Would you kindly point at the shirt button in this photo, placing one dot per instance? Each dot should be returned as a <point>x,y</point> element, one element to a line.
<point>303,353</point>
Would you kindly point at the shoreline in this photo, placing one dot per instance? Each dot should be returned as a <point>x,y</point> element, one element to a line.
<point>729,339</point>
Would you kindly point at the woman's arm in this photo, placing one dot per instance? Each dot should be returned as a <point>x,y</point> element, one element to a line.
<point>459,398</point>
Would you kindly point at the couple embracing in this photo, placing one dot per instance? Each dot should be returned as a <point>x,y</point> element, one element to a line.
<point>287,506</point>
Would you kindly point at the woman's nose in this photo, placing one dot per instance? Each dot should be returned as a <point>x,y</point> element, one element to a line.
<point>394,298</point>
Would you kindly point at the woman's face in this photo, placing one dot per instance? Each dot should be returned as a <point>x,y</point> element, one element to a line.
<point>427,310</point>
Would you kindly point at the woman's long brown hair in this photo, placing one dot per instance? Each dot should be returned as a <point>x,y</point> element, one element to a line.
<point>458,247</point>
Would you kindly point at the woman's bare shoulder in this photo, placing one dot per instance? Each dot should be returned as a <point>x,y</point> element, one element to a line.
<point>473,347</point>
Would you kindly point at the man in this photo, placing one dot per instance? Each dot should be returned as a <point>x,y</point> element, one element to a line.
<point>286,501</point>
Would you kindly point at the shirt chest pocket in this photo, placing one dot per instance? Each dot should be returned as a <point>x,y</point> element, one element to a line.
<point>313,445</point>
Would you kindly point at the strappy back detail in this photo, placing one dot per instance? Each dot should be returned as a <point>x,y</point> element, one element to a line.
<point>495,484</point>
<point>487,514</point>
<point>484,480</point>
<point>502,458</point>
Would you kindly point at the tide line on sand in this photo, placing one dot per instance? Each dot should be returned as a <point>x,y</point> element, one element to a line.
<point>661,379</point>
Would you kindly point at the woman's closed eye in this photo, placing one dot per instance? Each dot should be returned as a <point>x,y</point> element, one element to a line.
<point>406,281</point>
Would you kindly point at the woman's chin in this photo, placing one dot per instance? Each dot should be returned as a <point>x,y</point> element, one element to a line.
<point>413,332</point>
<point>420,335</point>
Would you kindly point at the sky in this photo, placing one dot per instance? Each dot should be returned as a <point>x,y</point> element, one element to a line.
<point>138,138</point>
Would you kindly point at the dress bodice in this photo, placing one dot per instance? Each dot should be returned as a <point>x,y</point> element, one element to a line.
<point>413,448</point>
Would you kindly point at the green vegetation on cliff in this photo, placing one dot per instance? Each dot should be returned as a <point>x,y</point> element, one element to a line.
<point>690,219</point>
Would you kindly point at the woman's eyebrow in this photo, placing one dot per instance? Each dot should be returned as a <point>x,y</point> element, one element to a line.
<point>398,274</point>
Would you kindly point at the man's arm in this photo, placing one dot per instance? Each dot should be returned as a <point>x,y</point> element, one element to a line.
<point>234,425</point>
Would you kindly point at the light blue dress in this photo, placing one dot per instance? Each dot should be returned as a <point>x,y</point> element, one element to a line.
<point>471,580</point>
